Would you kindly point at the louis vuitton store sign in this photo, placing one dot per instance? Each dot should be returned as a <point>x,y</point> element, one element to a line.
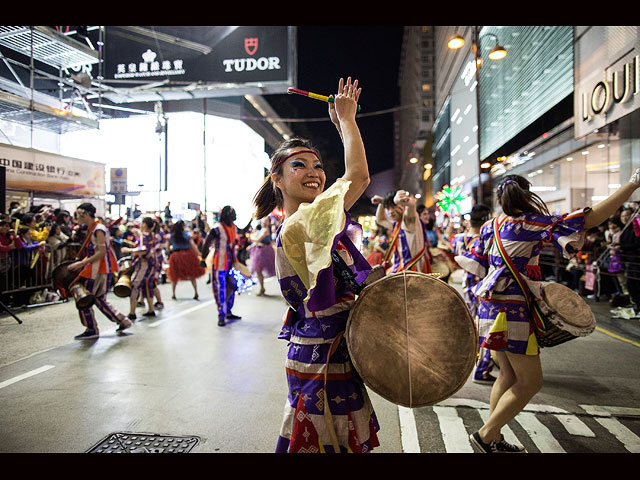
<point>607,76</point>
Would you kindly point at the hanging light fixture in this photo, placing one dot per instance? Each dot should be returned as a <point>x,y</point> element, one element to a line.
<point>455,42</point>
<point>498,52</point>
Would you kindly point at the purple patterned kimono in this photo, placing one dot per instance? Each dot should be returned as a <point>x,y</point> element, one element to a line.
<point>310,328</point>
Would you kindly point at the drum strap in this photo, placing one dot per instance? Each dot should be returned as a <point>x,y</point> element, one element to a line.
<point>536,313</point>
<point>393,242</point>
<point>393,245</point>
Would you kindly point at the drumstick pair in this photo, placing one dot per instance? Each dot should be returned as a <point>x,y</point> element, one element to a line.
<point>315,96</point>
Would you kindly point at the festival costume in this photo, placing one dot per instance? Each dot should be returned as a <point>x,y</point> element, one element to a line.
<point>263,257</point>
<point>460,244</point>
<point>160,240</point>
<point>328,408</point>
<point>504,322</point>
<point>184,264</point>
<point>144,267</point>
<point>408,250</point>
<point>96,277</point>
<point>224,240</point>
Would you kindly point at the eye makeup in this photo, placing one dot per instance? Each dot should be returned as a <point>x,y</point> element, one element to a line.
<point>282,160</point>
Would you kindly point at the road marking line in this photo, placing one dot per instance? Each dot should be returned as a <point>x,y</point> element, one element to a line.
<point>13,380</point>
<point>454,434</point>
<point>605,411</point>
<point>509,436</point>
<point>539,434</point>
<point>611,334</point>
<point>629,439</point>
<point>181,314</point>
<point>408,430</point>
<point>575,426</point>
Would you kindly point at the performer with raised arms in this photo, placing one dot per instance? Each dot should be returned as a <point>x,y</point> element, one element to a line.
<point>327,409</point>
<point>505,258</point>
<point>96,265</point>
<point>408,245</point>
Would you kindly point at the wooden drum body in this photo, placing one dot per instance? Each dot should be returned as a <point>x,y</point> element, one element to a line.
<point>412,339</point>
<point>64,282</point>
<point>567,315</point>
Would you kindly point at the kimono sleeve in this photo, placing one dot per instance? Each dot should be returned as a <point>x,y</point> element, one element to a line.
<point>476,259</point>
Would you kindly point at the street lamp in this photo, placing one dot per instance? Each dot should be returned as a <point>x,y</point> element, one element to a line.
<point>497,52</point>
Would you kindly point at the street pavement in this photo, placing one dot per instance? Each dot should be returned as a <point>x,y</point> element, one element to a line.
<point>182,379</point>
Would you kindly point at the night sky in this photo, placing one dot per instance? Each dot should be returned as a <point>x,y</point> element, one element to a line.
<point>325,53</point>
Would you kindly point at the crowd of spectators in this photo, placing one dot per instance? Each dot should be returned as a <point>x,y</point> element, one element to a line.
<point>34,240</point>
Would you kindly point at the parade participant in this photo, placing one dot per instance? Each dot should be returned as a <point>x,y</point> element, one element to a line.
<point>462,243</point>
<point>184,260</point>
<point>144,264</point>
<point>160,245</point>
<point>505,324</point>
<point>224,240</point>
<point>96,263</point>
<point>262,254</point>
<point>408,244</point>
<point>328,408</point>
<point>379,245</point>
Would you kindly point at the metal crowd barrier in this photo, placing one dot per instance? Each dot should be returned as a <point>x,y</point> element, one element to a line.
<point>25,272</point>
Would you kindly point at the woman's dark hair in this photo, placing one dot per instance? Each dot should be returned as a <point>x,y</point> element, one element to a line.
<point>616,221</point>
<point>60,217</point>
<point>149,222</point>
<point>387,200</point>
<point>479,215</point>
<point>515,198</point>
<point>27,218</point>
<point>177,230</point>
<point>269,196</point>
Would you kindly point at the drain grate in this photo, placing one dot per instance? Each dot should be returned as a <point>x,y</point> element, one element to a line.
<point>126,442</point>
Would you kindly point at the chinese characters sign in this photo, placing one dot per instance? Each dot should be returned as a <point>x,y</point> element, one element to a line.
<point>247,54</point>
<point>33,170</point>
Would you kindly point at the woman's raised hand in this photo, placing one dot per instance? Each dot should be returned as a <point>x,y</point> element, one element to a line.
<point>345,103</point>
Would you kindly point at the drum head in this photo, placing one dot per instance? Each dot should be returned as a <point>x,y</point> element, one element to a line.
<point>412,339</point>
<point>440,267</point>
<point>570,306</point>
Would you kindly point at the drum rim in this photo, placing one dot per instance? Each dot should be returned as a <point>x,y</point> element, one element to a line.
<point>471,360</point>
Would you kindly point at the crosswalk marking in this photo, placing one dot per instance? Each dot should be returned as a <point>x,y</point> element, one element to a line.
<point>605,411</point>
<point>454,434</point>
<point>575,426</point>
<point>629,439</point>
<point>539,434</point>
<point>408,430</point>
<point>456,440</point>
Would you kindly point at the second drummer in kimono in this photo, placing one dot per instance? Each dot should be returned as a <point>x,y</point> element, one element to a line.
<point>461,243</point>
<point>144,264</point>
<point>408,244</point>
<point>223,239</point>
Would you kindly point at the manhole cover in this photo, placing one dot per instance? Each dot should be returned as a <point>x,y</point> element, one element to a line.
<point>125,442</point>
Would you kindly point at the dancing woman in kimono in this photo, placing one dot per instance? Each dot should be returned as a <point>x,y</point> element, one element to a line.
<point>504,323</point>
<point>327,408</point>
